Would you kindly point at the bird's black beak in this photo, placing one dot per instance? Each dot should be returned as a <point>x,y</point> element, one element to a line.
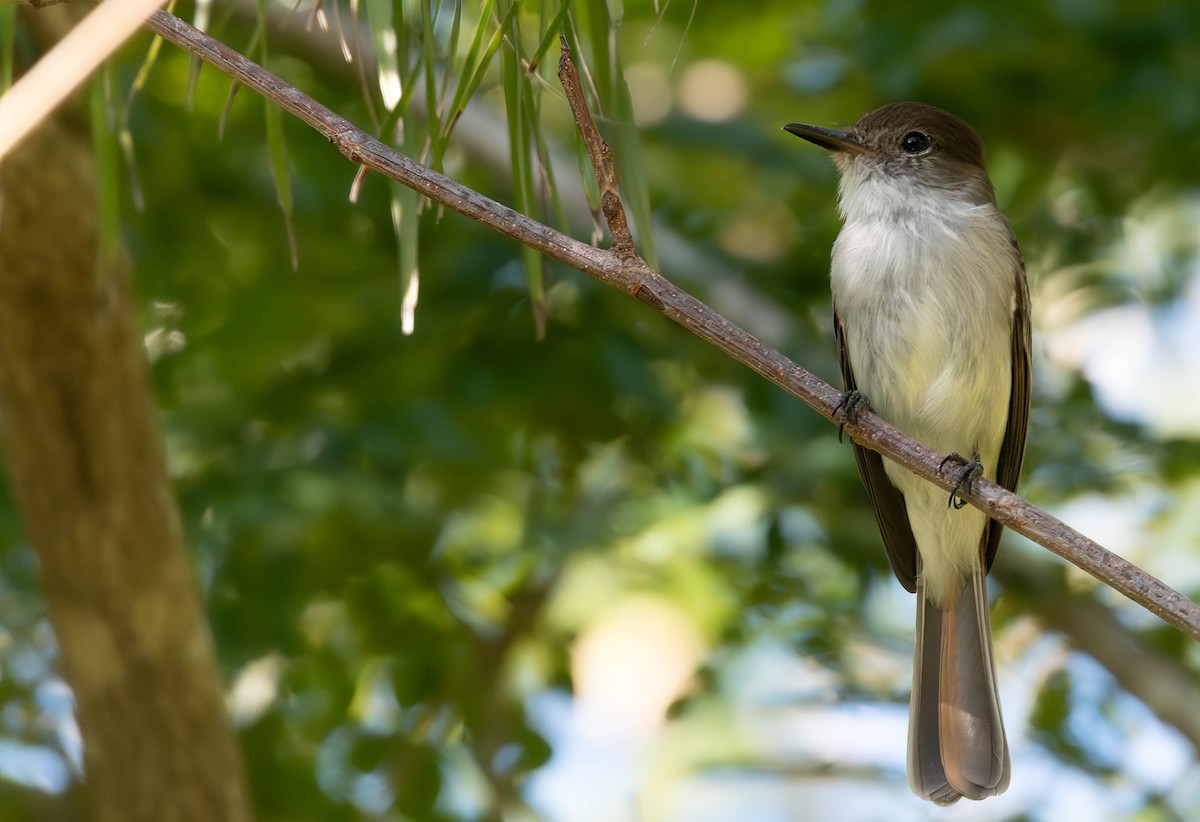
<point>828,138</point>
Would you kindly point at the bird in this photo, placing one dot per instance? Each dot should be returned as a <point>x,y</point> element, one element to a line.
<point>931,317</point>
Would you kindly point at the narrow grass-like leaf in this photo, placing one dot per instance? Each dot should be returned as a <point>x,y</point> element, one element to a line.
<point>429,67</point>
<point>406,220</point>
<point>394,43</point>
<point>276,143</point>
<point>437,136</point>
<point>534,274</point>
<point>277,146</point>
<point>418,49</point>
<point>355,48</point>
<point>8,40</point>
<point>515,84</point>
<point>631,169</point>
<point>550,34</point>
<point>379,21</point>
<point>466,89</point>
<point>514,88</point>
<point>255,48</point>
<point>201,18</point>
<point>596,17</point>
<point>224,118</point>
<point>451,51</point>
<point>108,184</point>
<point>404,74</point>
<point>124,135</point>
<point>129,153</point>
<point>143,73</point>
<point>472,59</point>
<point>531,106</point>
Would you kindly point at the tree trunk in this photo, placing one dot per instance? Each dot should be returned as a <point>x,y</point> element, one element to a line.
<point>84,453</point>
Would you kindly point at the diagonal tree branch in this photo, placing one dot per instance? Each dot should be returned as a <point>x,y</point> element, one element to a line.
<point>623,269</point>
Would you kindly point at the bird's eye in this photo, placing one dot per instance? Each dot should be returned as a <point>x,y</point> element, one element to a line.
<point>914,142</point>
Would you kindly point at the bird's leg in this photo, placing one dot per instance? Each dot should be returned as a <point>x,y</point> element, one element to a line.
<point>967,475</point>
<point>849,407</point>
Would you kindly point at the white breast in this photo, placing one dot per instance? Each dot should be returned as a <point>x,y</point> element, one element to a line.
<point>924,285</point>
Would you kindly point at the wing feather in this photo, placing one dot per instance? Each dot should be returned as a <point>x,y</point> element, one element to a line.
<point>890,511</point>
<point>1012,449</point>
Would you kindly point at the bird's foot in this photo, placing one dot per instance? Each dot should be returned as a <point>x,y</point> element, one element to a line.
<point>967,474</point>
<point>849,407</point>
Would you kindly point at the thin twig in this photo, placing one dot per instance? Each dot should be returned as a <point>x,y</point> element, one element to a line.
<point>632,275</point>
<point>600,154</point>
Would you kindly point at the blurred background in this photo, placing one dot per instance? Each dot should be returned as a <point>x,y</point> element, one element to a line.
<point>508,544</point>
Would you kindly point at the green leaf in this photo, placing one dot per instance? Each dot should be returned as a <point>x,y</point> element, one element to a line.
<point>108,176</point>
<point>469,81</point>
<point>380,22</point>
<point>521,126</point>
<point>550,34</point>
<point>277,148</point>
<point>429,69</point>
<point>406,219</point>
<point>8,40</point>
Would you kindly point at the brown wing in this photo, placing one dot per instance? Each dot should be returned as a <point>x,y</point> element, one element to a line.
<point>890,511</point>
<point>1012,450</point>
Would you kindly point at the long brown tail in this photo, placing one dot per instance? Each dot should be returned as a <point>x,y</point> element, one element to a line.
<point>956,744</point>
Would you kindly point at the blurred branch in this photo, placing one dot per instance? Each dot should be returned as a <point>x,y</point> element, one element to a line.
<point>1164,684</point>
<point>490,662</point>
<point>87,471</point>
<point>631,274</point>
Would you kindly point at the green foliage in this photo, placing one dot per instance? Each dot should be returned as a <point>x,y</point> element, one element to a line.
<point>412,544</point>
